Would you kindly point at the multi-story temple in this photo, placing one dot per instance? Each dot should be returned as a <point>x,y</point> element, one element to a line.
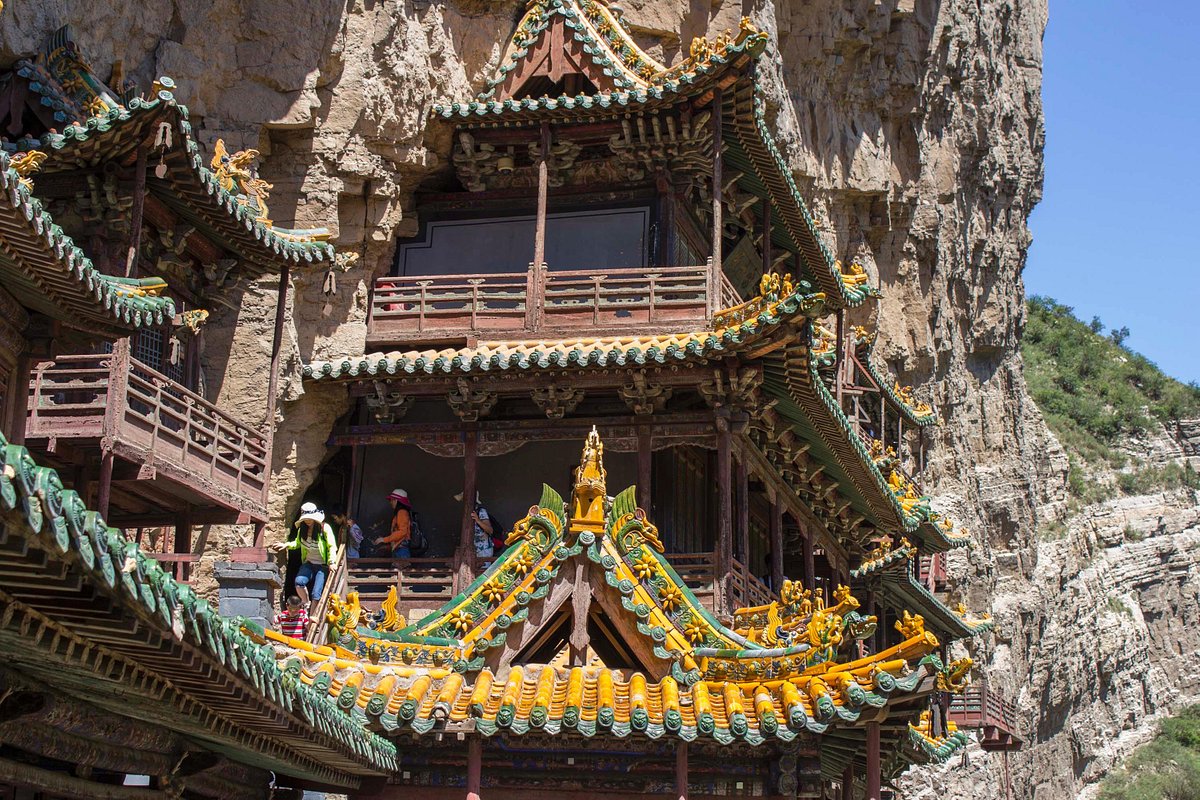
<point>617,285</point>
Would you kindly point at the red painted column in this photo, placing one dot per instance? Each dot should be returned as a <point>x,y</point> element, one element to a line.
<point>681,771</point>
<point>848,782</point>
<point>474,767</point>
<point>873,764</point>
<point>724,555</point>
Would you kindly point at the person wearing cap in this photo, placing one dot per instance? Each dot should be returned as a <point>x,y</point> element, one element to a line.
<point>315,543</point>
<point>401,532</point>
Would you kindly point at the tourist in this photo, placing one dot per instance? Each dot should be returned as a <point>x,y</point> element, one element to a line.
<point>485,547</point>
<point>400,537</point>
<point>349,532</point>
<point>293,621</point>
<point>315,543</point>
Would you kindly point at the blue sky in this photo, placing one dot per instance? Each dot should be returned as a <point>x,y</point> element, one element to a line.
<point>1117,234</point>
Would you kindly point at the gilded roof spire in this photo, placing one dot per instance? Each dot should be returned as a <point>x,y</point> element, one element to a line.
<point>587,498</point>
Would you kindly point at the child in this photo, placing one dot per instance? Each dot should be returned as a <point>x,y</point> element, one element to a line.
<point>294,621</point>
<point>350,533</point>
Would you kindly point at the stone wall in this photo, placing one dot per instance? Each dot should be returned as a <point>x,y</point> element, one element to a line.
<point>915,125</point>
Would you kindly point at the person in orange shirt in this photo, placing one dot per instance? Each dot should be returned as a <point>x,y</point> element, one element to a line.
<point>401,533</point>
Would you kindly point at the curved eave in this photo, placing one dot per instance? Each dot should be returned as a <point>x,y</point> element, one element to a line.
<point>44,269</point>
<point>937,750</point>
<point>898,582</point>
<point>189,187</point>
<point>49,533</point>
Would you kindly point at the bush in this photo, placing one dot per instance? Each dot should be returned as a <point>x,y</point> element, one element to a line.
<point>1167,768</point>
<point>1094,392</point>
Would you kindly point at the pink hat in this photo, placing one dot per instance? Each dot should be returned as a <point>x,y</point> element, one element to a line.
<point>400,496</point>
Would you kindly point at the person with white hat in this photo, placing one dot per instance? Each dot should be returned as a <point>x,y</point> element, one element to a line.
<point>315,543</point>
<point>401,532</point>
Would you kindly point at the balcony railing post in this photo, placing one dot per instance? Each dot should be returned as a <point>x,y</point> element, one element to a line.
<point>424,304</point>
<point>475,302</point>
<point>533,286</point>
<point>596,279</point>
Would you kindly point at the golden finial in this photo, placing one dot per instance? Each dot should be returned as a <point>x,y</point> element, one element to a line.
<point>590,486</point>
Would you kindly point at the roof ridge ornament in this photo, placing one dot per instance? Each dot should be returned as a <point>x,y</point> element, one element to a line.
<point>590,492</point>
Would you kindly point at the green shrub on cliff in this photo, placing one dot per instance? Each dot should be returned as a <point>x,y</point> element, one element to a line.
<point>1094,391</point>
<point>1167,768</point>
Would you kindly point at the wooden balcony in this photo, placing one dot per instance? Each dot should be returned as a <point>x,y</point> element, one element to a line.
<point>425,584</point>
<point>541,302</point>
<point>173,454</point>
<point>984,709</point>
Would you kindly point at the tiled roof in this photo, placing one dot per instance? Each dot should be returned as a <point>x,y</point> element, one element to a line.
<point>790,667</point>
<point>895,571</point>
<point>47,272</point>
<point>189,186</point>
<point>172,654</point>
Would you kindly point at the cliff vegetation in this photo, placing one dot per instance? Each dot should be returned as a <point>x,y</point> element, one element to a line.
<point>1168,767</point>
<point>1097,395</point>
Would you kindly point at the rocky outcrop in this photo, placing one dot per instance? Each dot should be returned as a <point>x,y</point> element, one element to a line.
<point>916,127</point>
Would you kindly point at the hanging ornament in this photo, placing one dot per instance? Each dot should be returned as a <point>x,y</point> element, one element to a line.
<point>163,141</point>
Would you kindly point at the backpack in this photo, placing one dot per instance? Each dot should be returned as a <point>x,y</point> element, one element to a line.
<point>498,533</point>
<point>417,543</point>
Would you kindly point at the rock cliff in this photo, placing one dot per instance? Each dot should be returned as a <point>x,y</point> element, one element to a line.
<point>915,126</point>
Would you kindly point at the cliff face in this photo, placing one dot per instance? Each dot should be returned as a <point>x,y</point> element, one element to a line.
<point>915,126</point>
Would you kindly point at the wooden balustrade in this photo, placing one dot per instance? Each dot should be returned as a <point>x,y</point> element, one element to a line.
<point>698,571</point>
<point>420,582</point>
<point>442,307</point>
<point>984,708</point>
<point>149,419</point>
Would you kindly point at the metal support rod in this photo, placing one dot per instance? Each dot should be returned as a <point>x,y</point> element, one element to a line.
<point>718,207</point>
<point>474,767</point>
<point>135,214</point>
<point>466,542</point>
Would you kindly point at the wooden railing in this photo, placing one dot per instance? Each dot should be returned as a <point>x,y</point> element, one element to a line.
<point>419,582</point>
<point>983,708</point>
<point>931,572</point>
<point>455,306</point>
<point>698,571</point>
<point>118,398</point>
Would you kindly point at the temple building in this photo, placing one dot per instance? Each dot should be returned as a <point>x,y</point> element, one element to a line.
<point>617,328</point>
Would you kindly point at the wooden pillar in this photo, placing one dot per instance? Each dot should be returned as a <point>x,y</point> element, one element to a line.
<point>645,463</point>
<point>135,214</point>
<point>466,541</point>
<point>840,351</point>
<point>777,544</point>
<point>16,413</point>
<point>718,208</point>
<point>105,489</point>
<point>474,767</point>
<point>874,776</point>
<point>743,515</point>
<point>848,782</point>
<point>724,554</point>
<point>681,771</point>
<point>665,240</point>
<point>543,171</point>
<point>183,543</point>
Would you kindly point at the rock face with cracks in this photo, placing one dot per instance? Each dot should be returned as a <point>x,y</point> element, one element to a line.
<point>915,128</point>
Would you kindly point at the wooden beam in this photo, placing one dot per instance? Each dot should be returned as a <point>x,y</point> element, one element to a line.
<point>543,167</point>
<point>681,771</point>
<point>474,767</point>
<point>104,496</point>
<point>776,544</point>
<point>60,784</point>
<point>645,463</point>
<point>874,775</point>
<point>743,514</point>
